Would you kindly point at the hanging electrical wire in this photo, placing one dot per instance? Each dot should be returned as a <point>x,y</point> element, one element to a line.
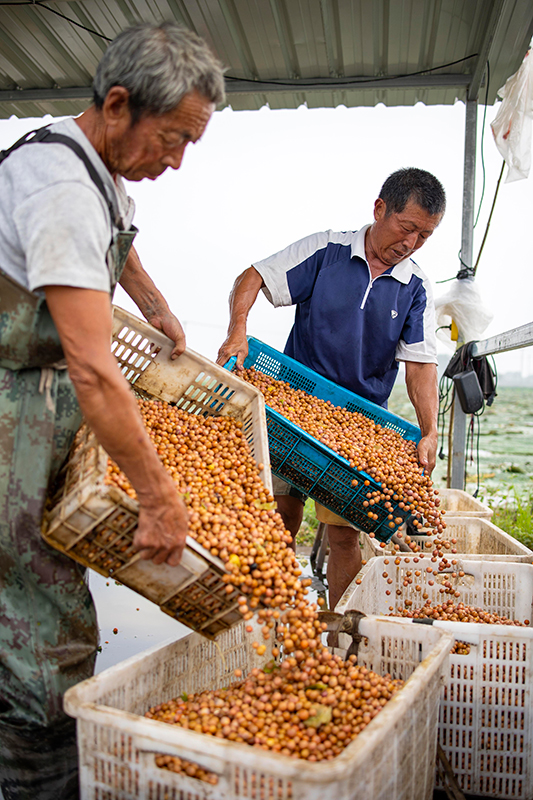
<point>295,82</point>
<point>490,218</point>
<point>482,149</point>
<point>474,418</point>
<point>467,271</point>
<point>483,172</point>
<point>488,378</point>
<point>38,4</point>
<point>445,404</point>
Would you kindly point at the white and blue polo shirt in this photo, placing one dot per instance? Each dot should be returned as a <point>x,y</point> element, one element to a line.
<point>348,327</point>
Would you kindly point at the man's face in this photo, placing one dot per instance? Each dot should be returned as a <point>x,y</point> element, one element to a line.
<point>157,142</point>
<point>397,236</point>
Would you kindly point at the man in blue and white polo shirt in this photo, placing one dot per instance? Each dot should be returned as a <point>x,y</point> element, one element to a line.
<point>362,305</point>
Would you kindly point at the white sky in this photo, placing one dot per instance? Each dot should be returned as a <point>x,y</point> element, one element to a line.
<point>260,180</point>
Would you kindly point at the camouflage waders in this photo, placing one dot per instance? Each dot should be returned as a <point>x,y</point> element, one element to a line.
<point>48,630</point>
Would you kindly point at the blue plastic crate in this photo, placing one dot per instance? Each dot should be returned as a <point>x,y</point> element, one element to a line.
<point>311,466</point>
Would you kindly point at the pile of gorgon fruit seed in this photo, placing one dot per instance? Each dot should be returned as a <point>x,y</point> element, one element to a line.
<point>313,703</point>
<point>452,612</point>
<point>369,447</point>
<point>181,765</point>
<point>309,709</point>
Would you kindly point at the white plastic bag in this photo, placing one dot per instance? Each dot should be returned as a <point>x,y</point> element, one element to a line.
<point>511,127</point>
<point>462,303</point>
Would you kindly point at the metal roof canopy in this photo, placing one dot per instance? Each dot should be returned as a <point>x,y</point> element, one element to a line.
<point>284,53</point>
<point>278,52</point>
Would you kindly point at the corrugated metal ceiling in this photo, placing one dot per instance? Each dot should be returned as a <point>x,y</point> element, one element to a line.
<point>278,52</point>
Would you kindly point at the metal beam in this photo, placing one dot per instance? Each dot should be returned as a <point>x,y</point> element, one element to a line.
<point>467,241</point>
<point>484,49</point>
<point>503,342</point>
<point>35,95</point>
<point>257,87</point>
<point>469,183</point>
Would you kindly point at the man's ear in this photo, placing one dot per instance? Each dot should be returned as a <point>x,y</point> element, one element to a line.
<point>116,109</point>
<point>380,209</point>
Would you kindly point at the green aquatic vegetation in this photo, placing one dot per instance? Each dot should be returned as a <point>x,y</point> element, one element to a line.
<point>515,516</point>
<point>505,444</point>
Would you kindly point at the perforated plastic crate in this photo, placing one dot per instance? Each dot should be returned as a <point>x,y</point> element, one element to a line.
<point>458,503</point>
<point>486,713</point>
<point>95,524</point>
<point>392,759</point>
<point>475,538</point>
<point>311,466</point>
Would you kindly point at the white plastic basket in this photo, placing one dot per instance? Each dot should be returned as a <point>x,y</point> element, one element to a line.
<point>191,382</point>
<point>458,503</point>
<point>476,538</point>
<point>392,759</point>
<point>94,523</point>
<point>486,715</point>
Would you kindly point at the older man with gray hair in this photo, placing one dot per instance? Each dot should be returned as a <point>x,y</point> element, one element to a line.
<point>65,241</point>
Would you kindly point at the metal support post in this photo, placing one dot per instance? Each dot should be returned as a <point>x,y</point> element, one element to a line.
<point>458,455</point>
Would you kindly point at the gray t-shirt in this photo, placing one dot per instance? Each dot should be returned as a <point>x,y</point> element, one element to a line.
<point>55,226</point>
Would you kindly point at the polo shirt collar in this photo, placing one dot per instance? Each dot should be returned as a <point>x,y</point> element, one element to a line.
<point>402,272</point>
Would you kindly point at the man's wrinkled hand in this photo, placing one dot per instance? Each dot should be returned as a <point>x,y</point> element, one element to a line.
<point>170,325</point>
<point>427,452</point>
<point>162,530</point>
<point>235,345</point>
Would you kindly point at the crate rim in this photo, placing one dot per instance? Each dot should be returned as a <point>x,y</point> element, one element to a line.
<point>460,520</point>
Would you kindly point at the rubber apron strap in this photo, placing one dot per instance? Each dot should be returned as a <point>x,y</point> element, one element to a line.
<point>28,336</point>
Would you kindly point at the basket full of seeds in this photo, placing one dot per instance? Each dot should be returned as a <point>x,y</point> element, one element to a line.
<point>486,711</point>
<point>351,455</point>
<point>195,719</point>
<point>209,430</point>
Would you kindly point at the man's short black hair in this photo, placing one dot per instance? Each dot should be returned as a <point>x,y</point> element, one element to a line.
<point>414,184</point>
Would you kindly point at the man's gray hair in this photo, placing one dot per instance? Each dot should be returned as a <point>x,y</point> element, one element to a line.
<point>158,64</point>
<point>411,183</point>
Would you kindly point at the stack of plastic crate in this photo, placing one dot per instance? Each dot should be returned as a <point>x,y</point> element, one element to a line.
<point>486,713</point>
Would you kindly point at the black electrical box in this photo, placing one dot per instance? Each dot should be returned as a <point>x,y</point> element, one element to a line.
<point>468,391</point>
